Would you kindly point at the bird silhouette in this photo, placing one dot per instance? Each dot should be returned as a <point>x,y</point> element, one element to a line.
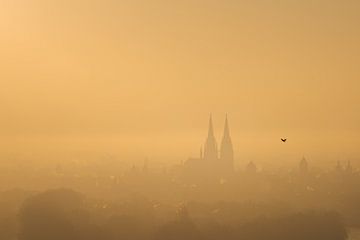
<point>283,139</point>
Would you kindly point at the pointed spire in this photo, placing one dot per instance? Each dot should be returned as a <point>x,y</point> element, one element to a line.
<point>211,128</point>
<point>226,150</point>
<point>226,127</point>
<point>210,148</point>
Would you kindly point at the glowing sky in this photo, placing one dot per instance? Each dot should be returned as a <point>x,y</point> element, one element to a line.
<point>140,77</point>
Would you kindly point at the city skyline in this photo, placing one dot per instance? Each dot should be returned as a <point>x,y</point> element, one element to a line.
<point>179,120</point>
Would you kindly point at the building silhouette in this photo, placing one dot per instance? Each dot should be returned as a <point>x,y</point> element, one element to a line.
<point>251,168</point>
<point>226,150</point>
<point>349,168</point>
<point>339,168</point>
<point>210,148</point>
<point>303,166</point>
<point>212,163</point>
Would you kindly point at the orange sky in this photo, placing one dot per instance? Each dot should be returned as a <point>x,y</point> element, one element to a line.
<point>140,77</point>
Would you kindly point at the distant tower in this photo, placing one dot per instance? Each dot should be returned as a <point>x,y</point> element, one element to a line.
<point>145,166</point>
<point>251,167</point>
<point>338,167</point>
<point>227,151</point>
<point>303,166</point>
<point>349,168</point>
<point>210,148</point>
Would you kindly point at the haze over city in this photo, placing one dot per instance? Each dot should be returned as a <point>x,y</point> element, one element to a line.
<point>173,120</point>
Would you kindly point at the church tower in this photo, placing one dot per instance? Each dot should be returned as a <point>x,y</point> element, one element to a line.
<point>227,151</point>
<point>210,148</point>
<point>303,166</point>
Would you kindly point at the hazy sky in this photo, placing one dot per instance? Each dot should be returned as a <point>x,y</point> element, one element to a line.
<point>139,78</point>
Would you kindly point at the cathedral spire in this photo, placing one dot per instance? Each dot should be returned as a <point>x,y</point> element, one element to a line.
<point>226,136</point>
<point>210,148</point>
<point>226,128</point>
<point>211,128</point>
<point>226,151</point>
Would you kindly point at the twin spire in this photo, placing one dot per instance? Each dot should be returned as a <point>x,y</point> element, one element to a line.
<point>211,128</point>
<point>211,148</point>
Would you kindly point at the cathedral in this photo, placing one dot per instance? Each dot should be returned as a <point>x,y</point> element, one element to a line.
<point>212,162</point>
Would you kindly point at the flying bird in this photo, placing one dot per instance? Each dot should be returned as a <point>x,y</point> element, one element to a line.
<point>283,139</point>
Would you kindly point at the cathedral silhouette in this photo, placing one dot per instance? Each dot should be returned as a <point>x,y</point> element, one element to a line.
<point>213,163</point>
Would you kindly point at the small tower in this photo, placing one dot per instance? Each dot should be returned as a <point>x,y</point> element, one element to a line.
<point>303,166</point>
<point>338,167</point>
<point>251,167</point>
<point>349,168</point>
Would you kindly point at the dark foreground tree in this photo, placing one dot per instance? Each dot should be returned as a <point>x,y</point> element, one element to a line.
<point>54,214</point>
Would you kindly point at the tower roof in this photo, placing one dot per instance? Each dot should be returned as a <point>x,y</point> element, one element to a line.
<point>210,148</point>
<point>226,150</point>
